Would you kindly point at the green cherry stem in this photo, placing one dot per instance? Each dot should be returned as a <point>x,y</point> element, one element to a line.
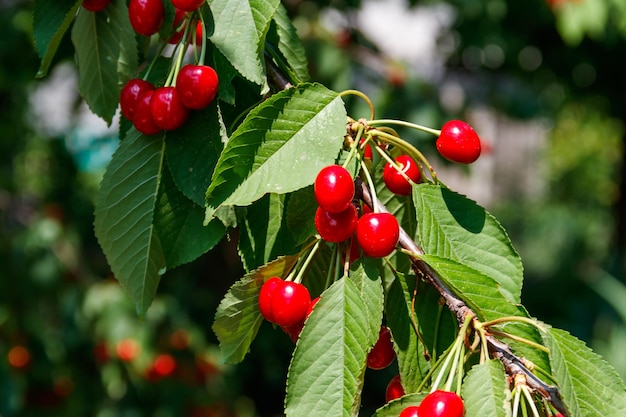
<point>361,95</point>
<point>372,188</point>
<point>307,261</point>
<point>405,124</point>
<point>521,340</point>
<point>203,46</point>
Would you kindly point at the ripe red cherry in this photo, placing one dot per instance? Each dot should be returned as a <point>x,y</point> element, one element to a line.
<point>334,188</point>
<point>196,85</point>
<point>395,182</point>
<point>142,119</point>
<point>188,5</point>
<point>382,354</point>
<point>129,96</point>
<point>410,411</point>
<point>458,142</point>
<point>146,16</point>
<point>178,30</point>
<point>394,389</point>
<point>441,404</point>
<point>199,33</point>
<point>294,331</point>
<point>265,297</point>
<point>167,110</point>
<point>336,227</point>
<point>377,234</point>
<point>95,5</point>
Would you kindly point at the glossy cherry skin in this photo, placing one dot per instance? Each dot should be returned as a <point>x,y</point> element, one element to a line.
<point>458,142</point>
<point>167,109</point>
<point>146,16</point>
<point>441,404</point>
<point>394,389</point>
<point>410,411</point>
<point>334,188</point>
<point>129,96</point>
<point>382,354</point>
<point>394,180</point>
<point>95,5</point>
<point>377,234</point>
<point>295,330</point>
<point>336,227</point>
<point>142,119</point>
<point>265,297</point>
<point>197,86</point>
<point>188,5</point>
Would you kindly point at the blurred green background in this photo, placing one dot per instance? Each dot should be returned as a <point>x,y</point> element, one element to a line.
<point>540,80</point>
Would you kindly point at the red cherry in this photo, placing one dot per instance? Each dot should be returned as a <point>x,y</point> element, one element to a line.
<point>395,182</point>
<point>127,349</point>
<point>196,85</point>
<point>441,404</point>
<point>167,110</point>
<point>290,303</point>
<point>410,411</point>
<point>188,5</point>
<point>336,227</point>
<point>142,119</point>
<point>265,297</point>
<point>164,365</point>
<point>382,354</point>
<point>334,188</point>
<point>95,5</point>
<point>129,96</point>
<point>199,34</point>
<point>377,234</point>
<point>367,151</point>
<point>458,142</point>
<point>178,30</point>
<point>294,331</point>
<point>394,389</point>
<point>146,16</point>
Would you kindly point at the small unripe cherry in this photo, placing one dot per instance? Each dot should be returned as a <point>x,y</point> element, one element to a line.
<point>334,188</point>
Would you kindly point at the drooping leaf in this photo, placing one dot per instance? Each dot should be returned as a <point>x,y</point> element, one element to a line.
<point>239,31</point>
<point>178,222</point>
<point>485,391</point>
<point>327,369</point>
<point>265,154</point>
<point>124,209</point>
<point>453,226</point>
<point>192,152</point>
<point>51,20</point>
<point>106,51</point>
<point>283,34</point>
<point>589,386</point>
<point>263,233</point>
<point>238,318</point>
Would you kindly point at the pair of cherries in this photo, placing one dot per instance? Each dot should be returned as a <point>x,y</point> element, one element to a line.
<point>336,218</point>
<point>147,16</point>
<point>167,108</point>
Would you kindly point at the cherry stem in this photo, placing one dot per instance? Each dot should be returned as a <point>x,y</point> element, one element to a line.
<point>405,124</point>
<point>180,51</point>
<point>509,319</point>
<point>394,164</point>
<point>521,340</point>
<point>203,46</point>
<point>154,60</point>
<point>307,261</point>
<point>361,95</point>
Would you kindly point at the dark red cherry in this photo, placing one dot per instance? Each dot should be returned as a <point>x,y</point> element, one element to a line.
<point>129,96</point>
<point>458,142</point>
<point>394,389</point>
<point>188,5</point>
<point>167,109</point>
<point>146,16</point>
<point>178,27</point>
<point>142,119</point>
<point>336,227</point>
<point>377,234</point>
<point>95,5</point>
<point>382,354</point>
<point>410,411</point>
<point>334,188</point>
<point>395,181</point>
<point>197,86</point>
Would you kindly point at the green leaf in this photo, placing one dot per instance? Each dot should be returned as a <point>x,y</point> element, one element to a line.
<point>106,51</point>
<point>283,34</point>
<point>263,233</point>
<point>327,369</point>
<point>301,209</point>
<point>51,20</point>
<point>453,226</point>
<point>485,391</point>
<point>265,154</point>
<point>238,318</point>
<point>192,152</point>
<point>239,32</point>
<point>364,274</point>
<point>589,386</point>
<point>124,209</point>
<point>178,222</point>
